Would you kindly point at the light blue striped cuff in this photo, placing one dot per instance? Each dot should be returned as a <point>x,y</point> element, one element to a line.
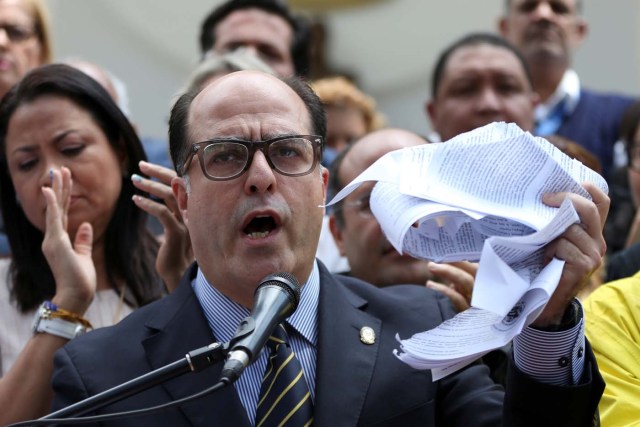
<point>555,358</point>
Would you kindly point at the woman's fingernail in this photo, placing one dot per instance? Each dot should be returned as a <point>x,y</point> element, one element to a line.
<point>135,177</point>
<point>51,175</point>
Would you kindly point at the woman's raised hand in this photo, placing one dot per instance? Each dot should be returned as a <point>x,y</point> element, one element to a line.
<point>71,263</point>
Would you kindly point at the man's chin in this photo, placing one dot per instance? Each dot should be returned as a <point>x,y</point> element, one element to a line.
<point>546,53</point>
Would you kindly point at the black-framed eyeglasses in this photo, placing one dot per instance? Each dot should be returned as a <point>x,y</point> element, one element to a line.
<point>17,33</point>
<point>225,159</point>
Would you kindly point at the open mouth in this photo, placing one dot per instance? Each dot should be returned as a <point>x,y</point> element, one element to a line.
<point>260,227</point>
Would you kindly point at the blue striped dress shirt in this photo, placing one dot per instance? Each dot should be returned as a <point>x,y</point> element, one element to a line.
<point>224,315</point>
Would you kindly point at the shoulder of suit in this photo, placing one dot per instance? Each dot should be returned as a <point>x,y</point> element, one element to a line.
<point>404,293</point>
<point>610,97</point>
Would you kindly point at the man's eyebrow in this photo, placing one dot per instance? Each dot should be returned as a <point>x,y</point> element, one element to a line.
<point>272,135</point>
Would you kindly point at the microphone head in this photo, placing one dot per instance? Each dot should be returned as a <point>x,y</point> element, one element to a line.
<point>285,282</point>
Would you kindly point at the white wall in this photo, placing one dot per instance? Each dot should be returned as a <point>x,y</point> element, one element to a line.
<point>152,45</point>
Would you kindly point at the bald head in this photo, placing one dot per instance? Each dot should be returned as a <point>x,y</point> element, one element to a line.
<point>266,90</point>
<point>365,151</point>
<point>355,229</point>
<point>96,73</point>
<point>264,94</point>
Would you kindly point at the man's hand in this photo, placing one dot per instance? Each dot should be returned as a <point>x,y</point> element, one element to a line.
<point>459,277</point>
<point>581,246</point>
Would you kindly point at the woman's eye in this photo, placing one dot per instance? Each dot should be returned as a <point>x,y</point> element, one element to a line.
<point>72,150</point>
<point>27,165</point>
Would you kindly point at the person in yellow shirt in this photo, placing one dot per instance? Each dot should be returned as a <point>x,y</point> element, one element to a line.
<point>612,322</point>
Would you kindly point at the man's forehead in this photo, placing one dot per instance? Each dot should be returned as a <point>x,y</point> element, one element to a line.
<point>248,19</point>
<point>250,96</point>
<point>242,86</point>
<point>370,148</point>
<point>483,56</point>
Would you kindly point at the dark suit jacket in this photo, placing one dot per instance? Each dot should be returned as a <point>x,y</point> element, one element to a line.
<point>357,384</point>
<point>595,124</point>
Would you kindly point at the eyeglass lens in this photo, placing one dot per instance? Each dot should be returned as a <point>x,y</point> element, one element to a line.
<point>289,156</point>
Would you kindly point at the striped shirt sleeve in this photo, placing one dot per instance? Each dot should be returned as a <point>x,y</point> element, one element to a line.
<point>555,358</point>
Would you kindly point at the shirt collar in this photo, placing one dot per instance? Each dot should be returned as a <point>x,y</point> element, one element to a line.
<point>223,314</point>
<point>568,91</point>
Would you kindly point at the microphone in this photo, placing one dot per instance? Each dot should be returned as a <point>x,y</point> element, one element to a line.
<point>275,299</point>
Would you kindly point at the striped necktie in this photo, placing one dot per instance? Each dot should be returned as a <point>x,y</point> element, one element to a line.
<point>285,399</point>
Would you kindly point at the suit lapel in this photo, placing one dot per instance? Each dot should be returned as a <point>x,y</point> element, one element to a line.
<point>345,364</point>
<point>180,327</point>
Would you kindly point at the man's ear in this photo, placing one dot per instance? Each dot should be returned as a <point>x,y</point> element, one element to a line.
<point>503,26</point>
<point>431,110</point>
<point>535,98</point>
<point>181,188</point>
<point>325,182</point>
<point>582,29</point>
<point>336,232</point>
<point>325,176</point>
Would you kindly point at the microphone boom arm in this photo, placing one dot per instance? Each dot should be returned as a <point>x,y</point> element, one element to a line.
<point>193,361</point>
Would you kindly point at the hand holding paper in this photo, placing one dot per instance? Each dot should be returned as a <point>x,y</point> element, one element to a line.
<point>479,196</point>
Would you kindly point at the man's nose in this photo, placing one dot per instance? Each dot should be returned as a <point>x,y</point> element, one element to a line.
<point>252,49</point>
<point>4,37</point>
<point>543,11</point>
<point>260,176</point>
<point>489,100</point>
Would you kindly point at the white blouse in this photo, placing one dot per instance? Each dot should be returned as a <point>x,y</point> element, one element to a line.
<point>106,309</point>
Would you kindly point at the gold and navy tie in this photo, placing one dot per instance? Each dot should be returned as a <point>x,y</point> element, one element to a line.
<point>285,399</point>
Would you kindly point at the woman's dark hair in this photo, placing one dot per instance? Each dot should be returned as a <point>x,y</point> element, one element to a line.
<point>130,249</point>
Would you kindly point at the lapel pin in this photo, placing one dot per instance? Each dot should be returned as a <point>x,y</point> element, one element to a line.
<point>367,335</point>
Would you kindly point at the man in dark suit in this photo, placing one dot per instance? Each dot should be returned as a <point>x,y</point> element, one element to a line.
<point>547,32</point>
<point>252,209</point>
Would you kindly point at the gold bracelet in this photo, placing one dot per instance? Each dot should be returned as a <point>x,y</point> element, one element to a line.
<point>61,313</point>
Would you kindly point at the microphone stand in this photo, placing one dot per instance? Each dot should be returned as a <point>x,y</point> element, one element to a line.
<point>194,361</point>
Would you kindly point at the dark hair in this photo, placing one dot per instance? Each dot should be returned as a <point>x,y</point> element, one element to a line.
<point>473,39</point>
<point>130,249</point>
<point>300,46</point>
<point>178,122</point>
<point>629,126</point>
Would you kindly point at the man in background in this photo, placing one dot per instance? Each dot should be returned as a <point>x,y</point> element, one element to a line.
<point>479,79</point>
<point>265,27</point>
<point>547,33</point>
